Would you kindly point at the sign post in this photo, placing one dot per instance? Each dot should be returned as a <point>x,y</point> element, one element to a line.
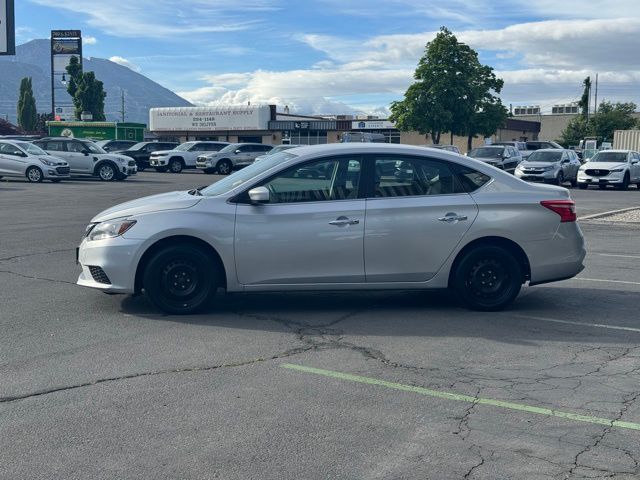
<point>7,28</point>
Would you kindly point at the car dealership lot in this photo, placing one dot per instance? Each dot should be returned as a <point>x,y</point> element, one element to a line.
<point>310,385</point>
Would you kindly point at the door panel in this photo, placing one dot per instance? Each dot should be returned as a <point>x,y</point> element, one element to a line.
<point>416,219</point>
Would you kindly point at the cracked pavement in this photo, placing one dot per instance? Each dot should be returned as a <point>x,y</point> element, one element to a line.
<point>97,386</point>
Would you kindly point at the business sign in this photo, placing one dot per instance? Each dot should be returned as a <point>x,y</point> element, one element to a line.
<point>208,119</point>
<point>7,28</point>
<point>372,125</point>
<point>65,44</point>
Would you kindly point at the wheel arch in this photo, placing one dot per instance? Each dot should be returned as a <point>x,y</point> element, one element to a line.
<point>495,241</point>
<point>177,157</point>
<point>172,240</point>
<point>102,162</point>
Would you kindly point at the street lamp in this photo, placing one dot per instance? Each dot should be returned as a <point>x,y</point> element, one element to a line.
<point>64,79</point>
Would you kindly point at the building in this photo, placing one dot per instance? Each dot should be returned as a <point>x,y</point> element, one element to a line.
<point>263,124</point>
<point>98,130</point>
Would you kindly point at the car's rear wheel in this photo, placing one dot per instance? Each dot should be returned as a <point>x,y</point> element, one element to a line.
<point>106,172</point>
<point>224,167</point>
<point>175,165</point>
<point>487,278</point>
<point>34,174</point>
<point>181,279</point>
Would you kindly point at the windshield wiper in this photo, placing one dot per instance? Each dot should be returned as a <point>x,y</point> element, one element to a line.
<point>196,191</point>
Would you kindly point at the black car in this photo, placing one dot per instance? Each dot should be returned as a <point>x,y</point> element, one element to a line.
<point>114,146</point>
<point>141,151</point>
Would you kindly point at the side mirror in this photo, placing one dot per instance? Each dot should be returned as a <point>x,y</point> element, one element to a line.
<point>237,151</point>
<point>566,160</point>
<point>259,195</point>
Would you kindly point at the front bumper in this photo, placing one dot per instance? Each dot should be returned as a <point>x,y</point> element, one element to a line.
<point>537,176</point>
<point>156,162</point>
<point>116,260</point>
<point>204,165</point>
<point>615,178</point>
<point>55,172</point>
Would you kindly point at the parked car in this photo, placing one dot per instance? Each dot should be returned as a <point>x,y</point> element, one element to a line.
<point>277,149</point>
<point>551,166</point>
<point>521,146</point>
<point>504,157</point>
<point>619,168</point>
<point>366,137</point>
<point>141,152</point>
<point>448,148</point>
<point>86,158</point>
<point>23,159</point>
<point>455,223</point>
<point>115,146</point>
<point>183,156</point>
<point>533,145</point>
<point>235,155</point>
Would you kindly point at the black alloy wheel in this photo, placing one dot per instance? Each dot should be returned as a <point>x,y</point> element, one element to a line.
<point>224,167</point>
<point>487,278</point>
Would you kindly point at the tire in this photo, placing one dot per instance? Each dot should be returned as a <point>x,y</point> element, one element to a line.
<point>560,179</point>
<point>161,169</point>
<point>106,172</point>
<point>475,274</point>
<point>34,175</point>
<point>224,167</point>
<point>196,279</point>
<point>574,182</point>
<point>175,165</point>
<point>625,182</point>
<point>583,186</point>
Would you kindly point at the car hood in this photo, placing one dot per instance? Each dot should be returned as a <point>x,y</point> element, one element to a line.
<point>161,152</point>
<point>53,158</point>
<point>526,163</point>
<point>153,203</point>
<point>603,165</point>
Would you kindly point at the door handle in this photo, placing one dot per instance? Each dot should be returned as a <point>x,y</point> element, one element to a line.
<point>343,222</point>
<point>452,217</point>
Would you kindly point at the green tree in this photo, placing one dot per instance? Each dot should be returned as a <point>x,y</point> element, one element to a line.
<point>451,89</point>
<point>586,94</point>
<point>486,121</point>
<point>576,130</point>
<point>27,106</point>
<point>87,91</point>
<point>612,117</point>
<point>41,122</point>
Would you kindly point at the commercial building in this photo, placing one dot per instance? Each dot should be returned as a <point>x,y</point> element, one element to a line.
<point>263,124</point>
<point>98,130</point>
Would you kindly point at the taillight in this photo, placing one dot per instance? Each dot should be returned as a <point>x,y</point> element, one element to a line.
<point>565,208</point>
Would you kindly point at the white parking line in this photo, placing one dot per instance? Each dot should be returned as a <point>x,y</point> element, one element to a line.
<point>616,255</point>
<point>582,324</point>
<point>625,282</point>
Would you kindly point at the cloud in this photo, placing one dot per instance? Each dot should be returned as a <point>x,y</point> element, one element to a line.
<point>165,18</point>
<point>89,40</point>
<point>125,63</point>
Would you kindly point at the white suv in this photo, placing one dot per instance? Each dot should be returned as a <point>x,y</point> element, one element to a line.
<point>619,168</point>
<point>183,156</point>
<point>87,158</point>
<point>23,159</point>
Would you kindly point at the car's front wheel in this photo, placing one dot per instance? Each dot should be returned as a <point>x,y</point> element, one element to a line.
<point>106,172</point>
<point>487,278</point>
<point>224,167</point>
<point>175,166</point>
<point>181,279</point>
<point>34,174</point>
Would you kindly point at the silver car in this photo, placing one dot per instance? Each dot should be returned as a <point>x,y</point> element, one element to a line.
<point>231,157</point>
<point>23,159</point>
<point>446,222</point>
<point>550,165</point>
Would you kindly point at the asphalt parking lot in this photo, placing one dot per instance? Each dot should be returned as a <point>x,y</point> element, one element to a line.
<point>315,386</point>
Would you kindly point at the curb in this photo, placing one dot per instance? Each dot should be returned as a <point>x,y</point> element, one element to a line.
<point>606,214</point>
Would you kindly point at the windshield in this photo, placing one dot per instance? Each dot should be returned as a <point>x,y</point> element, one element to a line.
<point>93,148</point>
<point>137,146</point>
<point>545,156</point>
<point>32,149</point>
<point>184,147</point>
<point>618,157</point>
<point>242,176</point>
<point>486,152</point>
<point>230,148</point>
<point>102,143</point>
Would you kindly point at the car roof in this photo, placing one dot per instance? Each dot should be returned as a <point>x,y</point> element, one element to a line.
<point>616,150</point>
<point>553,150</point>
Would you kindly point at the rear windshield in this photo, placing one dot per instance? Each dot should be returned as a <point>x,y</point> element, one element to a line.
<point>486,152</point>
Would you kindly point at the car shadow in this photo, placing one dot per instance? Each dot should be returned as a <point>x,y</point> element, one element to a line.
<point>420,313</point>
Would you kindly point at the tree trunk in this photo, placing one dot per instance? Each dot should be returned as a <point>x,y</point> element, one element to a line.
<point>436,137</point>
<point>469,143</point>
<point>451,138</point>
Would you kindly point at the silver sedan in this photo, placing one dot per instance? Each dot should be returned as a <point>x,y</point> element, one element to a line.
<point>339,217</point>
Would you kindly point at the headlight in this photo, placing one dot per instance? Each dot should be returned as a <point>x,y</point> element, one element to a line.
<point>548,167</point>
<point>110,229</point>
<point>121,160</point>
<point>617,170</point>
<point>47,162</point>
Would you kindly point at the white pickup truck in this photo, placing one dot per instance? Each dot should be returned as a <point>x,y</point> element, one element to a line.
<point>183,156</point>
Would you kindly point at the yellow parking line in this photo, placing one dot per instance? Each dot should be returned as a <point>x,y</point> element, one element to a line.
<point>462,398</point>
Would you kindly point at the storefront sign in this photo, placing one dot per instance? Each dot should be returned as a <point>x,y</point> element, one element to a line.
<point>372,125</point>
<point>7,28</point>
<point>198,119</point>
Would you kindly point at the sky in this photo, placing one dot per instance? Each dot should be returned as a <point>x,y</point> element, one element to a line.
<point>342,56</point>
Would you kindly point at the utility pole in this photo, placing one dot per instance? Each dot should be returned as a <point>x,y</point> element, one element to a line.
<point>122,110</point>
<point>595,107</point>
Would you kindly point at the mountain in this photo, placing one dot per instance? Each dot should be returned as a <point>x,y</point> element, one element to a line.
<point>32,59</point>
